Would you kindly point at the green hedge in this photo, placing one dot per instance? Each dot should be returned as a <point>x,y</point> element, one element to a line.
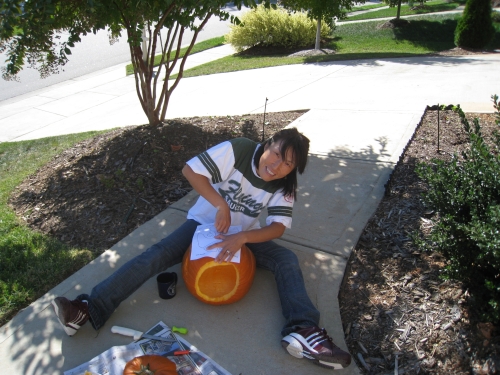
<point>274,28</point>
<point>475,28</point>
<point>466,193</point>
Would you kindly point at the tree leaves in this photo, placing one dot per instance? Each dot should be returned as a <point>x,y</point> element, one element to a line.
<point>31,33</point>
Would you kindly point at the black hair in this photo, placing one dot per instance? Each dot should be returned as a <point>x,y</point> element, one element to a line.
<point>299,144</point>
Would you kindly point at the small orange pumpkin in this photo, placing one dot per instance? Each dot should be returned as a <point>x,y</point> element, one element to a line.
<point>149,365</point>
<point>219,283</point>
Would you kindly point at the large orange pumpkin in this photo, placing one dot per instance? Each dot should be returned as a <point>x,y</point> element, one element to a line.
<point>219,283</point>
<point>149,365</point>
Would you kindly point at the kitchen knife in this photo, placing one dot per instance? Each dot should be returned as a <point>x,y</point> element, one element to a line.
<point>138,334</point>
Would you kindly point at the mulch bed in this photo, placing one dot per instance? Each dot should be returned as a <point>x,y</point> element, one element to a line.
<point>97,192</point>
<point>396,311</point>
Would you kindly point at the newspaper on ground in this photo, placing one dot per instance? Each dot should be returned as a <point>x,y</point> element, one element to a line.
<point>113,361</point>
<point>204,237</point>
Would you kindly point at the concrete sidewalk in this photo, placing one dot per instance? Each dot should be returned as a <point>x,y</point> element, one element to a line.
<point>362,114</point>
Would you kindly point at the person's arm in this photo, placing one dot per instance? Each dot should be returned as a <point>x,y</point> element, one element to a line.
<point>203,187</point>
<point>230,244</point>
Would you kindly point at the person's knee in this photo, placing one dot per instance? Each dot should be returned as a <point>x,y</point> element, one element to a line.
<point>289,257</point>
<point>288,262</point>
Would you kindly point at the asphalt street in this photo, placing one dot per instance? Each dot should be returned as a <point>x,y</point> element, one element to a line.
<point>95,53</point>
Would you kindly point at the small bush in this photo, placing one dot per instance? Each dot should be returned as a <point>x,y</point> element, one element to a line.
<point>274,28</point>
<point>475,28</point>
<point>466,193</point>
<point>495,17</point>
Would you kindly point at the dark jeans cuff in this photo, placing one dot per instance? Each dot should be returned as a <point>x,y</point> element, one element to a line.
<point>289,329</point>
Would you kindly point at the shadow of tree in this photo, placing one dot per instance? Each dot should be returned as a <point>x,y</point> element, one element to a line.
<point>433,35</point>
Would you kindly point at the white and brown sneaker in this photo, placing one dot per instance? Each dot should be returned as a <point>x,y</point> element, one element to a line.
<point>314,344</point>
<point>71,314</point>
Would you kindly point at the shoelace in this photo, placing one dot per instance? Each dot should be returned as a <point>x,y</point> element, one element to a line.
<point>326,335</point>
<point>318,337</point>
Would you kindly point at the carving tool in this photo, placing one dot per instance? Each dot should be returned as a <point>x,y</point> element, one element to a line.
<point>138,334</point>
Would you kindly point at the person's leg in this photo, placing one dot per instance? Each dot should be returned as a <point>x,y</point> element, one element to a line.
<point>296,305</point>
<point>109,293</point>
<point>302,338</point>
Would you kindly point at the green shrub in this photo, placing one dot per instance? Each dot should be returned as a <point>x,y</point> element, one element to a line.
<point>495,17</point>
<point>274,28</point>
<point>466,193</point>
<point>475,28</point>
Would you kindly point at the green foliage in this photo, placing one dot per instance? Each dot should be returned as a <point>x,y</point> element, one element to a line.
<point>395,3</point>
<point>27,33</point>
<point>475,28</point>
<point>407,9</point>
<point>496,105</point>
<point>466,193</point>
<point>274,28</point>
<point>321,9</point>
<point>495,16</point>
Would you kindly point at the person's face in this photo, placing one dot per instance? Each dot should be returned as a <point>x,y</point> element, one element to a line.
<point>272,166</point>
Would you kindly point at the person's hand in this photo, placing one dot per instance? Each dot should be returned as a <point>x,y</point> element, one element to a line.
<point>230,245</point>
<point>223,218</point>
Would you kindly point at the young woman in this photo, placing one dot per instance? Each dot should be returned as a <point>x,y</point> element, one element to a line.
<point>236,180</point>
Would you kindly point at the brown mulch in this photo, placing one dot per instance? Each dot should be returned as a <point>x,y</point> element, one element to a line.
<point>396,310</point>
<point>458,51</point>
<point>394,306</point>
<point>313,52</point>
<point>97,192</point>
<point>394,23</point>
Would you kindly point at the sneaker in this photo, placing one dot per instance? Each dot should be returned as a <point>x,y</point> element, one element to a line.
<point>314,344</point>
<point>71,314</point>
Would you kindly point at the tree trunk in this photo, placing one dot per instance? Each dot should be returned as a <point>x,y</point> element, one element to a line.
<point>154,89</point>
<point>145,41</point>
<point>318,34</point>
<point>143,84</point>
<point>399,10</point>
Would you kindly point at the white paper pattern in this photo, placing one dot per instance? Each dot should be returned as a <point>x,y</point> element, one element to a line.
<point>204,237</point>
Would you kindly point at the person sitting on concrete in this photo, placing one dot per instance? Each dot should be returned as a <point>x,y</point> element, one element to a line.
<point>266,176</point>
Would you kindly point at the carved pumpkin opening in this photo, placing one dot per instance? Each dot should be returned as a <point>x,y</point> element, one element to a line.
<point>219,283</point>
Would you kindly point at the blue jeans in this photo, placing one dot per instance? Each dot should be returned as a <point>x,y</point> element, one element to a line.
<point>296,306</point>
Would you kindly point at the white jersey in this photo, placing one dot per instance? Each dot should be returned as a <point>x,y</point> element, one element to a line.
<point>230,169</point>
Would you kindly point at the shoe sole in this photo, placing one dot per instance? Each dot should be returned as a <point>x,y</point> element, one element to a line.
<point>294,348</point>
<point>69,330</point>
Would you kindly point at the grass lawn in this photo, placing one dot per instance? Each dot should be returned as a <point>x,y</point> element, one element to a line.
<point>429,7</point>
<point>367,7</point>
<point>424,35</point>
<point>31,263</point>
<point>198,47</point>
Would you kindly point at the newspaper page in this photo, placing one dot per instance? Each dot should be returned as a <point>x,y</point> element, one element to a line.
<point>204,237</point>
<point>113,361</point>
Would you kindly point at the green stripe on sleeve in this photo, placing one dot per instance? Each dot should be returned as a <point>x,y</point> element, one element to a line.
<point>279,211</point>
<point>212,168</point>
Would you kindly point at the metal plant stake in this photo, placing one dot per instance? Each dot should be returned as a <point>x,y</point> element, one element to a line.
<point>264,122</point>
<point>438,129</point>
